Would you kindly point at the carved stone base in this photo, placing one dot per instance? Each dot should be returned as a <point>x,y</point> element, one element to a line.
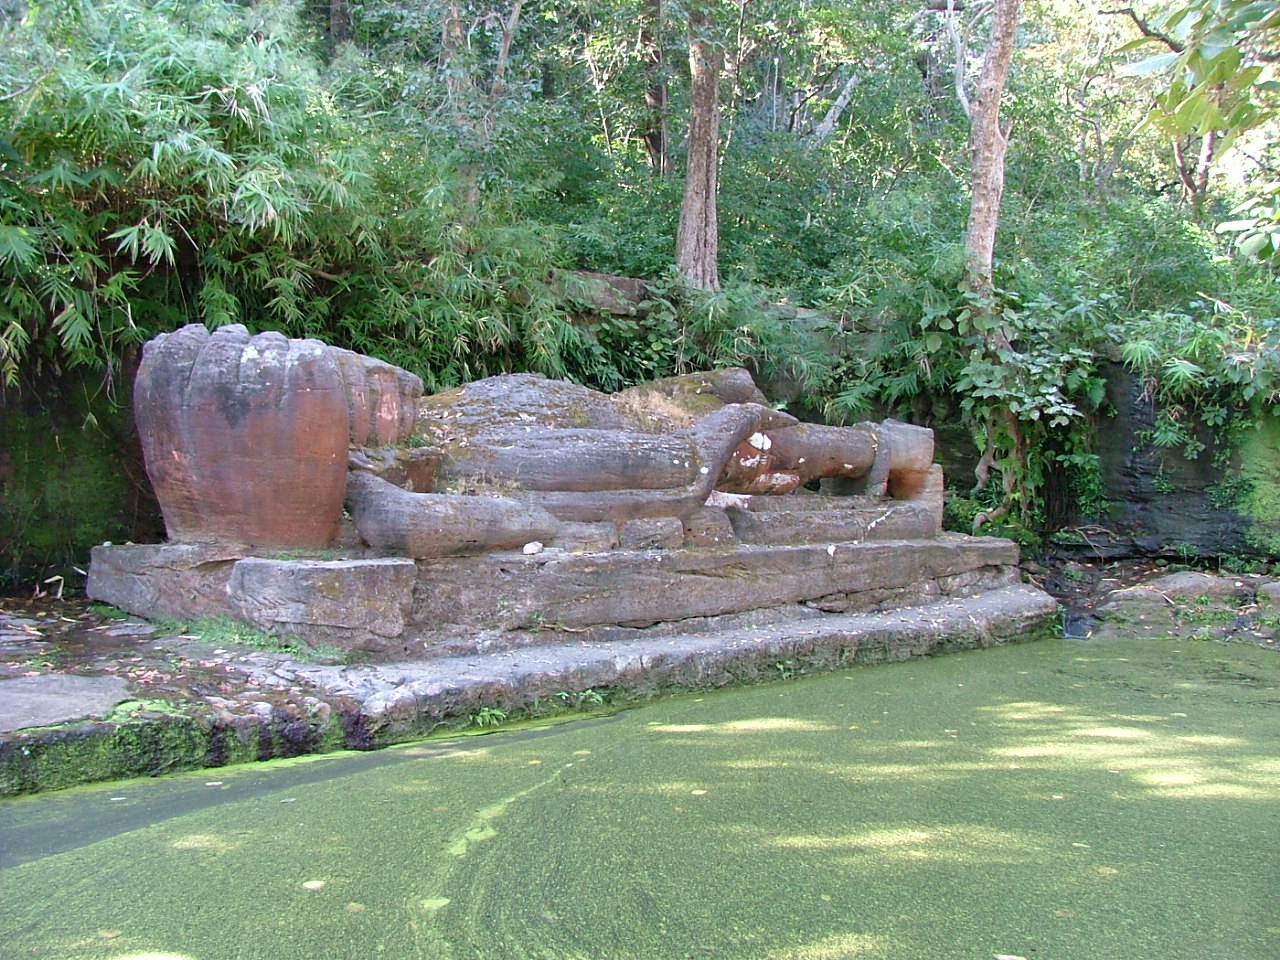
<point>398,608</point>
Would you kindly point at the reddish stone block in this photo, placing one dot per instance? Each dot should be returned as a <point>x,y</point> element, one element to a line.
<point>245,438</point>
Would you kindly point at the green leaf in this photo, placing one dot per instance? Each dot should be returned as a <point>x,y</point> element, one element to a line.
<point>1254,244</point>
<point>16,246</point>
<point>61,176</point>
<point>1160,62</point>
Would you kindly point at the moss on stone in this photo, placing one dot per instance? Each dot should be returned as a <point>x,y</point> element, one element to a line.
<point>1259,454</point>
<point>140,738</point>
<point>145,738</point>
<point>64,482</point>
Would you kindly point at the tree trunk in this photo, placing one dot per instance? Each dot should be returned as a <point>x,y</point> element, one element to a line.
<point>504,51</point>
<point>1004,439</point>
<point>698,238</point>
<point>655,94</point>
<point>471,107</point>
<point>1193,169</point>
<point>339,22</point>
<point>989,141</point>
<point>453,46</point>
<point>837,109</point>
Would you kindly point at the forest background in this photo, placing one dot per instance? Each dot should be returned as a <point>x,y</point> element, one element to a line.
<point>430,181</point>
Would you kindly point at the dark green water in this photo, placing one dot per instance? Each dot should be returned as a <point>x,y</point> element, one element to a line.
<point>1053,801</point>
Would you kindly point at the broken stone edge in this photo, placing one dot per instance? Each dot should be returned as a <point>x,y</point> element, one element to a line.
<point>186,736</point>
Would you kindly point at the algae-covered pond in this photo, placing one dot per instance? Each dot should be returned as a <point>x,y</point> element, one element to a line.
<point>1062,800</point>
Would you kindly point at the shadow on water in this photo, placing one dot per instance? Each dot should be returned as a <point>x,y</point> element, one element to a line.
<point>34,827</point>
<point>1065,800</point>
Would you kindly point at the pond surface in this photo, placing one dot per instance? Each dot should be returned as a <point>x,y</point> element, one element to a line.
<point>1117,800</point>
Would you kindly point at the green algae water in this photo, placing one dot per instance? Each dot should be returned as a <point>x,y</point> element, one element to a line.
<point>1062,800</point>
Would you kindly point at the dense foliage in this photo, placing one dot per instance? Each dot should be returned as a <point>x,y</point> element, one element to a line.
<point>418,180</point>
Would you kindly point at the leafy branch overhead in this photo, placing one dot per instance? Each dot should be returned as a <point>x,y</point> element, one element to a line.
<point>1217,64</point>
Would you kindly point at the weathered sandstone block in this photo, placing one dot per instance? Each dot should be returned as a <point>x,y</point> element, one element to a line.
<point>180,580</point>
<point>245,438</point>
<point>360,604</point>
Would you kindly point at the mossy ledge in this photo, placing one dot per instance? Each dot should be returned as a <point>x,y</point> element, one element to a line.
<point>450,695</point>
<point>153,737</point>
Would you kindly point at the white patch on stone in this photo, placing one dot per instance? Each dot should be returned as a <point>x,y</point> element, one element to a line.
<point>704,470</point>
<point>719,498</point>
<point>801,460</point>
<point>831,550</point>
<point>760,441</point>
<point>532,547</point>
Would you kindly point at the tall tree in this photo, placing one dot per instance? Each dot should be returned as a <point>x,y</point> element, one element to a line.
<point>1003,438</point>
<point>989,142</point>
<point>698,237</point>
<point>473,108</point>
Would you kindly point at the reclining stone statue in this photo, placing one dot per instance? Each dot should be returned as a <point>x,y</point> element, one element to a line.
<point>316,493</point>
<point>259,440</point>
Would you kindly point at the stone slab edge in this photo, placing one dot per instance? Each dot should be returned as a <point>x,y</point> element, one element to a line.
<point>446,692</point>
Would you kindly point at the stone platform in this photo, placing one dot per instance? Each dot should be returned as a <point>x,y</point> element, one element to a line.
<point>396,608</point>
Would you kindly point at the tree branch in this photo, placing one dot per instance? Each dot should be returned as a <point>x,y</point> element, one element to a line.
<point>1148,31</point>
<point>960,50</point>
<point>504,50</point>
<point>828,124</point>
<point>30,86</point>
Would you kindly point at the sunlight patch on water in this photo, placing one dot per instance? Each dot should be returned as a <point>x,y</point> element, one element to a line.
<point>205,841</point>
<point>1114,733</point>
<point>839,946</point>
<point>877,839</point>
<point>1029,710</point>
<point>754,725</point>
<point>1206,741</point>
<point>957,844</point>
<point>1215,791</point>
<point>776,725</point>
<point>753,764</point>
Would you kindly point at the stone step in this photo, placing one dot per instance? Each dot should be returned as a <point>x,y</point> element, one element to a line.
<point>395,607</point>
<point>400,700</point>
<point>871,519</point>
<point>495,601</point>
